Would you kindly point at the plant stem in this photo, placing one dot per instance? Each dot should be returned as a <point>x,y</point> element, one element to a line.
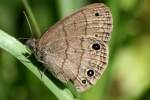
<point>14,47</point>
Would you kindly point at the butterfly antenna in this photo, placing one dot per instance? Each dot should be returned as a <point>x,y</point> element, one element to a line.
<point>28,21</point>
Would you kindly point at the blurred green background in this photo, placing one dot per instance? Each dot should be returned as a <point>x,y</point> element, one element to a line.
<point>128,74</point>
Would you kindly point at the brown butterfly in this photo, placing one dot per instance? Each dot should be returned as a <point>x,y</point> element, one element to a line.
<point>76,48</point>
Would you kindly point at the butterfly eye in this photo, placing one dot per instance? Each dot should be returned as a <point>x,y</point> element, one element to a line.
<point>90,73</point>
<point>97,14</point>
<point>84,81</point>
<point>96,46</point>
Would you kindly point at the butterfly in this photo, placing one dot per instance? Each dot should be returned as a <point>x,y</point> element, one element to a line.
<point>76,48</point>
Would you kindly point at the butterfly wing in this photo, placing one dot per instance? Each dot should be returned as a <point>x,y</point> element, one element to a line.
<point>76,48</point>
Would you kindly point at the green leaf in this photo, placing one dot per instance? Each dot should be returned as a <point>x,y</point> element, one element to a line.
<point>17,49</point>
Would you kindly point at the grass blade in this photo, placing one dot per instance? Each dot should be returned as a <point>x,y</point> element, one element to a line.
<point>17,49</point>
